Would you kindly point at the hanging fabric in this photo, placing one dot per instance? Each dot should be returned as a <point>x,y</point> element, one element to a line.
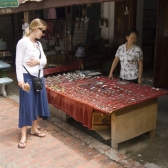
<point>52,13</point>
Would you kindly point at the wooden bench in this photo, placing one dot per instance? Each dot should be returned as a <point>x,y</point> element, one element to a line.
<point>3,82</point>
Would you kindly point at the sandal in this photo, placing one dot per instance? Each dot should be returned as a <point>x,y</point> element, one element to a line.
<point>40,134</point>
<point>21,145</point>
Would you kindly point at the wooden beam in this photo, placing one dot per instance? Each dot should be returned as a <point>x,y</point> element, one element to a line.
<point>55,3</point>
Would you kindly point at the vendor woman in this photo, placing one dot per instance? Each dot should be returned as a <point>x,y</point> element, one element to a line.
<point>131,59</point>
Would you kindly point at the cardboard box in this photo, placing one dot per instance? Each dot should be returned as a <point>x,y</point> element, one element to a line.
<point>100,121</point>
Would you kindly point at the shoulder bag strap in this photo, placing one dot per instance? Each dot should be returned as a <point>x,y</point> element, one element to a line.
<point>39,57</point>
<point>27,71</point>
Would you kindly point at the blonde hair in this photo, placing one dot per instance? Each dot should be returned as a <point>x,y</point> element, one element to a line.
<point>36,23</point>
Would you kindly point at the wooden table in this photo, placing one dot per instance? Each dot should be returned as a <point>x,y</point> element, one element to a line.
<point>126,122</point>
<point>132,121</point>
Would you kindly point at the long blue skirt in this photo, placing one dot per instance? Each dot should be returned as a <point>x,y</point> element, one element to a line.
<point>32,104</point>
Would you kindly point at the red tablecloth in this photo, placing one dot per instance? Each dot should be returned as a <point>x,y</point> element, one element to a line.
<point>63,68</point>
<point>80,98</point>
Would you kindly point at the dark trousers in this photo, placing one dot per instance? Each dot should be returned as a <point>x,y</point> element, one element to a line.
<point>132,81</point>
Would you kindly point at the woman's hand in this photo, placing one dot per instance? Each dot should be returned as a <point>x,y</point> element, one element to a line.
<point>24,86</point>
<point>110,76</point>
<point>21,84</point>
<point>139,80</point>
<point>32,62</point>
<point>140,64</point>
<point>114,64</point>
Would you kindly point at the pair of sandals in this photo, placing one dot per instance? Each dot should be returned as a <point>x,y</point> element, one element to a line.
<point>23,144</point>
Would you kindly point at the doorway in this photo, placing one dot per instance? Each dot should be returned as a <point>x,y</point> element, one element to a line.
<point>146,25</point>
<point>149,33</point>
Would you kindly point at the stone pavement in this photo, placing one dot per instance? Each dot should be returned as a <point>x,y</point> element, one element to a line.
<point>59,149</point>
<point>64,145</point>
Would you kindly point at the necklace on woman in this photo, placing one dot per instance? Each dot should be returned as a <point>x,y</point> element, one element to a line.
<point>127,47</point>
<point>34,42</point>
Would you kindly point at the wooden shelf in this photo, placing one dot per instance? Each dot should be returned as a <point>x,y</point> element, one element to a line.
<point>150,9</point>
<point>9,62</point>
<point>94,62</point>
<point>147,44</point>
<point>149,29</point>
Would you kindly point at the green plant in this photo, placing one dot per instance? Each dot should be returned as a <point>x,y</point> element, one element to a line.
<point>2,73</point>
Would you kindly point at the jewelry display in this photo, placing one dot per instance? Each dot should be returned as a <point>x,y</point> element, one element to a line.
<point>100,92</point>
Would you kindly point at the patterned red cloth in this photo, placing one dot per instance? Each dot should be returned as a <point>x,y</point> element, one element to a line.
<point>79,100</point>
<point>78,110</point>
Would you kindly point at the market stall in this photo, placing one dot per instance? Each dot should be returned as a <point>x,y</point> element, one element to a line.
<point>129,109</point>
<point>52,68</point>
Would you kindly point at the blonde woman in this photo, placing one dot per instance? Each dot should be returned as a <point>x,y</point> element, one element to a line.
<point>33,105</point>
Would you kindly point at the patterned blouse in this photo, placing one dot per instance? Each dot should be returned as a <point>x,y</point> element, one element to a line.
<point>129,61</point>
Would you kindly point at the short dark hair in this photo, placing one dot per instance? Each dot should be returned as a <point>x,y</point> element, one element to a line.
<point>132,31</point>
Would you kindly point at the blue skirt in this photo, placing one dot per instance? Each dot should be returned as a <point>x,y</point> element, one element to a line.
<point>32,104</point>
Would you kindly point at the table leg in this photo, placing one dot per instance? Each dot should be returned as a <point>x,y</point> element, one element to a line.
<point>152,133</point>
<point>114,143</point>
<point>2,90</point>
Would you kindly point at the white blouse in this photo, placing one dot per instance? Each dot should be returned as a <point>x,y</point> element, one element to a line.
<point>129,61</point>
<point>24,51</point>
